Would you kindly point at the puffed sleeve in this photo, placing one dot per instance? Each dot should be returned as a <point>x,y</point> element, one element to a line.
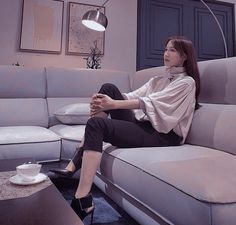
<point>166,108</point>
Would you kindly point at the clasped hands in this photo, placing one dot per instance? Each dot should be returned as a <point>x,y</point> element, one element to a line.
<point>101,102</point>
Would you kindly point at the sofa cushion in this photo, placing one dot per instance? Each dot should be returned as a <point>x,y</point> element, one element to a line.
<point>213,89</point>
<point>163,175</point>
<point>55,104</point>
<point>71,137</point>
<point>209,179</point>
<point>82,82</point>
<point>142,157</point>
<point>218,81</point>
<point>143,76</point>
<point>77,113</point>
<point>23,112</point>
<point>194,170</point>
<point>74,133</point>
<point>214,126</point>
<point>26,134</point>
<point>40,151</point>
<point>21,82</point>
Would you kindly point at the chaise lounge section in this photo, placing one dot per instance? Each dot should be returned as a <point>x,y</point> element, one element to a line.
<point>189,184</point>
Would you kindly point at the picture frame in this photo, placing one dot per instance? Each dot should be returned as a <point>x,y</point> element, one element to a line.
<point>42,26</point>
<point>80,38</point>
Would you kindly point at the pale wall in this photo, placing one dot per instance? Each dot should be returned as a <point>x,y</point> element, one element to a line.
<point>120,37</point>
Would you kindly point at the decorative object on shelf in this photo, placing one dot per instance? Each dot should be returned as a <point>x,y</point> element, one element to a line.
<point>15,64</point>
<point>79,37</point>
<point>219,26</point>
<point>95,19</point>
<point>94,57</point>
<point>41,27</point>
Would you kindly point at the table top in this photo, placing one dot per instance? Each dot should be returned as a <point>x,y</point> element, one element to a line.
<point>46,207</point>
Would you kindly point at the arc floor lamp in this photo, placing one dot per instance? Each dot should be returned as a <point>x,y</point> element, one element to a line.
<point>96,20</point>
<point>219,26</point>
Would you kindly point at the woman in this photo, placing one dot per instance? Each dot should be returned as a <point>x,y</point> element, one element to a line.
<point>157,114</point>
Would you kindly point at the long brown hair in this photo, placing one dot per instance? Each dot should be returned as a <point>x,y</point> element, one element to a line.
<point>185,48</point>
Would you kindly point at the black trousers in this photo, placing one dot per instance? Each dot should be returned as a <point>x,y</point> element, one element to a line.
<point>122,129</point>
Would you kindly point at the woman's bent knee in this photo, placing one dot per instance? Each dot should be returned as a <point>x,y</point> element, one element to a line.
<point>94,134</point>
<point>108,85</point>
<point>109,89</point>
<point>95,123</point>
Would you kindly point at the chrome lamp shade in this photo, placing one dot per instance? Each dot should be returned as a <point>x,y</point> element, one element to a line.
<point>95,20</point>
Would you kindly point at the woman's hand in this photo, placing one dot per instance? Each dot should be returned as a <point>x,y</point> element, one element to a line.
<point>101,102</point>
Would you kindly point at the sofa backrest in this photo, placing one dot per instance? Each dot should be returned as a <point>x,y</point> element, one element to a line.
<point>214,124</point>
<point>142,76</point>
<point>67,86</point>
<point>22,96</point>
<point>218,81</point>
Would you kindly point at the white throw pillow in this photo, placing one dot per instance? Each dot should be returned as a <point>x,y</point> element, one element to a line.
<point>77,113</point>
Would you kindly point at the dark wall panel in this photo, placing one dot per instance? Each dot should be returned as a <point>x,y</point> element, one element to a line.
<point>159,19</point>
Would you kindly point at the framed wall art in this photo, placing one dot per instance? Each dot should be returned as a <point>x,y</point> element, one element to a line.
<point>42,25</point>
<point>80,38</point>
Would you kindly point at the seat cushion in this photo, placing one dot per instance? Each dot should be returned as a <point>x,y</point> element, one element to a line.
<point>74,133</point>
<point>26,134</point>
<point>210,179</point>
<point>71,137</point>
<point>194,170</point>
<point>39,151</point>
<point>34,142</point>
<point>185,179</point>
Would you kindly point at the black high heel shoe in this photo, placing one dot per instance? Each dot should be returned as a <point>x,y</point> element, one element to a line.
<point>63,172</point>
<point>79,205</point>
<point>77,160</point>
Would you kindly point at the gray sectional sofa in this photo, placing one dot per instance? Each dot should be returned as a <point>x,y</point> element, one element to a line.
<point>192,184</point>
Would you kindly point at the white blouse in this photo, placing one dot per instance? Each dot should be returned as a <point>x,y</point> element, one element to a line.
<point>168,101</point>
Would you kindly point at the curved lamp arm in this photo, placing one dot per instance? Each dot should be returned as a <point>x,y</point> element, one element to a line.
<point>221,31</point>
<point>104,3</point>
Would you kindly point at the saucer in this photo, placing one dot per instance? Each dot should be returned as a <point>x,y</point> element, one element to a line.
<point>20,181</point>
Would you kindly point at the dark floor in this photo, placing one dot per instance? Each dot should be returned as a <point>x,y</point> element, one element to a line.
<point>106,212</point>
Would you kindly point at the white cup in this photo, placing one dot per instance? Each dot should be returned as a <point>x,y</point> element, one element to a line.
<point>28,172</point>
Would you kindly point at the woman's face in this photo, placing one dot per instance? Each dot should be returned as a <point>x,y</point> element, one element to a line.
<point>172,57</point>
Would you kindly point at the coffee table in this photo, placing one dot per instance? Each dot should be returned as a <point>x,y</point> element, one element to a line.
<point>46,207</point>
